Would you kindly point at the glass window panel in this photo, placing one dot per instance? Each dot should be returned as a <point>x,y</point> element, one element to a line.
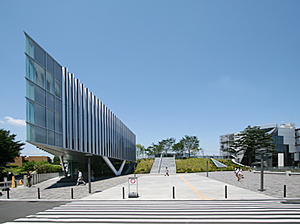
<point>50,119</point>
<point>39,95</point>
<point>50,83</point>
<point>40,135</point>
<point>39,115</point>
<point>57,88</point>
<point>58,71</point>
<point>30,69</point>
<point>39,73</point>
<point>30,132</point>
<point>29,90</point>
<point>51,138</point>
<point>50,101</point>
<point>29,111</point>
<point>50,64</point>
<point>58,106</point>
<point>29,47</point>
<point>39,55</point>
<point>58,140</point>
<point>58,122</point>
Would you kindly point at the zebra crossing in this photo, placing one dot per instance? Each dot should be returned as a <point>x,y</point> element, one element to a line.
<point>135,211</point>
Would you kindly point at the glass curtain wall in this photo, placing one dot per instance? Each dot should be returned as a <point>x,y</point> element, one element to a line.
<point>43,96</point>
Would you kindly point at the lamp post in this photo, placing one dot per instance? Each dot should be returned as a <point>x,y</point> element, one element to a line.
<point>262,168</point>
<point>89,171</point>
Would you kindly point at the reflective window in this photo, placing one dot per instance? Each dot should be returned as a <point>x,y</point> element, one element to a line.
<point>58,123</point>
<point>30,69</point>
<point>39,95</point>
<point>30,132</point>
<point>50,64</point>
<point>39,115</point>
<point>29,90</point>
<point>58,140</point>
<point>39,73</point>
<point>58,71</point>
<point>50,119</point>
<point>50,101</point>
<point>50,83</point>
<point>29,47</point>
<point>40,135</point>
<point>51,138</point>
<point>29,111</point>
<point>57,88</point>
<point>58,106</point>
<point>39,55</point>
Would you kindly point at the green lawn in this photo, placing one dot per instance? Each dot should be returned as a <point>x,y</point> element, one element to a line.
<point>189,165</point>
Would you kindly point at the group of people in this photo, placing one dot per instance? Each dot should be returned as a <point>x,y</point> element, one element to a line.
<point>239,173</point>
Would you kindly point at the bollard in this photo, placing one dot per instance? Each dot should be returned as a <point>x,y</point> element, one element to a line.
<point>39,195</point>
<point>173,192</point>
<point>7,195</point>
<point>71,193</point>
<point>123,193</point>
<point>225,191</point>
<point>284,191</point>
<point>206,168</point>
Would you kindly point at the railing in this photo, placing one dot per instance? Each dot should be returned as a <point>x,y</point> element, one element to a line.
<point>280,169</point>
<point>36,178</point>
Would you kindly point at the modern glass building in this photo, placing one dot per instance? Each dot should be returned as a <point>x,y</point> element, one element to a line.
<point>65,119</point>
<point>286,138</point>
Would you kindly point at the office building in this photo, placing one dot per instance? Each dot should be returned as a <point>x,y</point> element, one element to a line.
<point>285,137</point>
<point>66,119</point>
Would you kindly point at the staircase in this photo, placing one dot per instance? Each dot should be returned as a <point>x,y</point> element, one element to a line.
<point>160,164</point>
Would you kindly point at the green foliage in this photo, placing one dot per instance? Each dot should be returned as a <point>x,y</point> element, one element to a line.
<point>191,144</point>
<point>191,165</point>
<point>250,141</point>
<point>9,148</point>
<point>167,145</point>
<point>142,165</point>
<point>56,160</point>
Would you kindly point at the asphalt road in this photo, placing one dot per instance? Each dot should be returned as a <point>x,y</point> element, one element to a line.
<point>11,210</point>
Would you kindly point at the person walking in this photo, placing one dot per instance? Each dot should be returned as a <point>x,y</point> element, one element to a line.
<point>239,174</point>
<point>80,178</point>
<point>28,177</point>
<point>167,172</point>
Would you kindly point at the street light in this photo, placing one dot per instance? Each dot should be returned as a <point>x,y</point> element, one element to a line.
<point>262,151</point>
<point>89,171</point>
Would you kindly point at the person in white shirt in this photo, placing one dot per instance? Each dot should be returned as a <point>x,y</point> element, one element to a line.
<point>80,178</point>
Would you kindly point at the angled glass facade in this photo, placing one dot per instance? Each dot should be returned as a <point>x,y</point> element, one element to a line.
<point>65,118</point>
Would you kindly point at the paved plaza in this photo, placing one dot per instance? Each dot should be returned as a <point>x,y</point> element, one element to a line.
<point>191,186</point>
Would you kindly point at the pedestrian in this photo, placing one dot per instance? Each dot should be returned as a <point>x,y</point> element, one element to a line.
<point>239,174</point>
<point>28,177</point>
<point>167,172</point>
<point>80,178</point>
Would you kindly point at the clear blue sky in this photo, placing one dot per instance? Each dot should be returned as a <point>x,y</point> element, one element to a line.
<point>165,68</point>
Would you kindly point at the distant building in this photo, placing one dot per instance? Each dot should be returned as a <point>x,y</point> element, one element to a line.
<point>19,160</point>
<point>287,140</point>
<point>66,119</point>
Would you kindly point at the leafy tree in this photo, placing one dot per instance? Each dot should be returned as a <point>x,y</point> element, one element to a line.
<point>178,148</point>
<point>250,141</point>
<point>191,144</point>
<point>140,149</point>
<point>154,149</point>
<point>166,144</point>
<point>56,160</point>
<point>9,148</point>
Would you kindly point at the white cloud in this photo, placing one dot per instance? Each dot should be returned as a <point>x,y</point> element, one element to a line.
<point>15,122</point>
<point>1,122</point>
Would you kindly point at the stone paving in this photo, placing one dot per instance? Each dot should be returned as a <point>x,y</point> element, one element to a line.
<point>273,183</point>
<point>51,190</point>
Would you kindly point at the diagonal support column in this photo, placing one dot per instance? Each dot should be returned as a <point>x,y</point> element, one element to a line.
<point>111,166</point>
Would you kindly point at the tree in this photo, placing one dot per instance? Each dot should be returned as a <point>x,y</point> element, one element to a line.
<point>9,148</point>
<point>140,149</point>
<point>178,148</point>
<point>56,160</point>
<point>250,141</point>
<point>191,143</point>
<point>154,149</point>
<point>167,144</point>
